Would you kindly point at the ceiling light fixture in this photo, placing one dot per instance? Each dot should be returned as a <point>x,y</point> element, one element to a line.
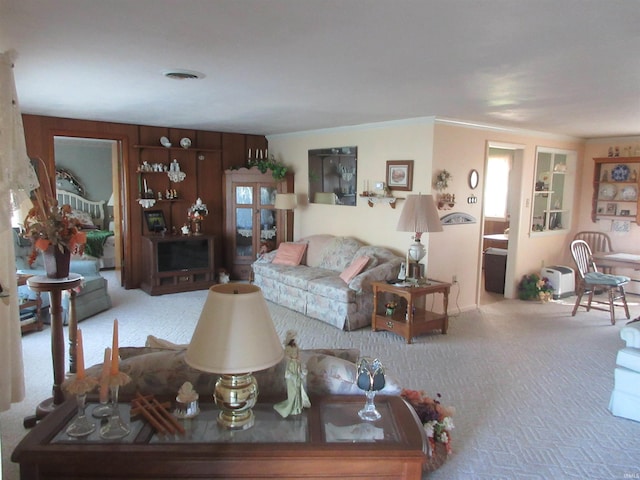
<point>183,75</point>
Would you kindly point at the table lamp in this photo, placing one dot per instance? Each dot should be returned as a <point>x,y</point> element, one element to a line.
<point>286,202</point>
<point>419,215</point>
<point>235,337</point>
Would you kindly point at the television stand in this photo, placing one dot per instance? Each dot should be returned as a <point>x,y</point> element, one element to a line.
<point>174,263</point>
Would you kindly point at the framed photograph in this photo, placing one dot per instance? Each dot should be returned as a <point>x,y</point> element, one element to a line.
<point>611,208</point>
<point>400,174</point>
<point>155,220</point>
<point>625,213</point>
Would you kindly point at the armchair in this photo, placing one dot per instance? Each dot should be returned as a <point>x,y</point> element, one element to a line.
<point>93,296</point>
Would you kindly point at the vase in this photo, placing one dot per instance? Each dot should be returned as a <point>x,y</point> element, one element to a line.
<point>56,262</point>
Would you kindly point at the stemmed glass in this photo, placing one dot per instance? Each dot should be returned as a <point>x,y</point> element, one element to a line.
<point>370,379</point>
<point>115,428</point>
<point>81,426</point>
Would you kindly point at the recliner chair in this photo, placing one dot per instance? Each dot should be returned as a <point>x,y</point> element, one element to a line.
<point>93,296</point>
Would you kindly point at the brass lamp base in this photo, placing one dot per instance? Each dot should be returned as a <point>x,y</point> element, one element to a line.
<point>235,395</point>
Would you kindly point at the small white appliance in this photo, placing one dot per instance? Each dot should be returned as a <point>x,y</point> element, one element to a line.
<point>562,279</point>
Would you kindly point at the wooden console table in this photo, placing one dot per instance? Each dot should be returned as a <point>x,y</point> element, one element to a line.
<point>415,319</point>
<point>55,287</point>
<point>328,440</point>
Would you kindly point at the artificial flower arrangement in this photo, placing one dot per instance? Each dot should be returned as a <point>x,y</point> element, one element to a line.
<point>442,179</point>
<point>197,210</point>
<point>435,418</point>
<point>48,223</point>
<point>534,287</point>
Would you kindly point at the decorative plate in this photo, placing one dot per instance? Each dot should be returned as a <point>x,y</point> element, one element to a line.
<point>608,191</point>
<point>620,173</point>
<point>185,142</point>
<point>164,141</point>
<point>629,193</point>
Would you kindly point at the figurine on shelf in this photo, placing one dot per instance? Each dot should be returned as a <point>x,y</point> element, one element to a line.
<point>295,374</point>
<point>185,229</point>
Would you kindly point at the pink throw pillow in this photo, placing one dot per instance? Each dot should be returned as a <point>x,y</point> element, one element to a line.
<point>290,254</point>
<point>354,269</point>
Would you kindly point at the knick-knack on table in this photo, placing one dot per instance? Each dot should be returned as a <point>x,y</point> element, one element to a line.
<point>295,374</point>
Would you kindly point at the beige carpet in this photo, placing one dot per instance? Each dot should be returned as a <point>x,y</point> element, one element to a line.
<point>530,383</point>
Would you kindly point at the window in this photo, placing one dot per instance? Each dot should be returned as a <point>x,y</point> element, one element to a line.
<point>497,183</point>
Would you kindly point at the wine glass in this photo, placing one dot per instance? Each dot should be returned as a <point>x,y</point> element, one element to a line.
<point>370,379</point>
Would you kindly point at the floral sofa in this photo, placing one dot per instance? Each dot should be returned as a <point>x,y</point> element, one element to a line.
<point>160,369</point>
<point>317,285</point>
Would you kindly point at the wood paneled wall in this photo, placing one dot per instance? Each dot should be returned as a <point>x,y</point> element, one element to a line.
<point>208,173</point>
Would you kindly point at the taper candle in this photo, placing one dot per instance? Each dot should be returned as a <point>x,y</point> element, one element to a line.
<point>114,350</point>
<point>79,357</point>
<point>104,378</point>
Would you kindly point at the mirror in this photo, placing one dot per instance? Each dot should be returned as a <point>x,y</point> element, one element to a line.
<point>473,179</point>
<point>333,175</point>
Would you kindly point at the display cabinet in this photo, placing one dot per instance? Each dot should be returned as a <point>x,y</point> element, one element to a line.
<point>615,189</point>
<point>554,184</point>
<point>177,263</point>
<point>252,224</point>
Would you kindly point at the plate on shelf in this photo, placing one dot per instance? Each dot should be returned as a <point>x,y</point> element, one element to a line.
<point>608,192</point>
<point>620,173</point>
<point>629,193</point>
<point>164,141</point>
<point>185,142</point>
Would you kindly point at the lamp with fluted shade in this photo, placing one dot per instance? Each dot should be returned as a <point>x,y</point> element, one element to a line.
<point>419,215</point>
<point>235,337</point>
<point>286,202</point>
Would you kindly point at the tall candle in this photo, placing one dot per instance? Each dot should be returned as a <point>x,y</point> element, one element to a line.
<point>249,154</point>
<point>79,357</point>
<point>104,378</point>
<point>145,186</point>
<point>114,349</point>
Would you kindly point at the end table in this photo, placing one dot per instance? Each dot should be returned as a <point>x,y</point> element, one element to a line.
<point>415,319</point>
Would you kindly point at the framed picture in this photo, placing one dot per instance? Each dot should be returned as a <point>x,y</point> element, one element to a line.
<point>400,174</point>
<point>155,220</point>
<point>611,208</point>
<point>625,213</point>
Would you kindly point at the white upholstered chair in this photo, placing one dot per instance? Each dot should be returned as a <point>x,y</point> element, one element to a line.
<point>625,398</point>
<point>590,279</point>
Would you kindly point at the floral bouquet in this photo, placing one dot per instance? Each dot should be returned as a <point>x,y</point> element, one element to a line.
<point>533,287</point>
<point>435,418</point>
<point>48,223</point>
<point>198,210</point>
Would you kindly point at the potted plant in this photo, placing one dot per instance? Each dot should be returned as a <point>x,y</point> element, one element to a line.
<point>534,287</point>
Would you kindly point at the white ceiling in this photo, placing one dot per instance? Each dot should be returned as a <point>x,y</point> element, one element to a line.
<point>275,66</point>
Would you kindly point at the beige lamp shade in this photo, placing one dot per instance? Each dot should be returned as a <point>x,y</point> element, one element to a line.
<point>235,332</point>
<point>419,215</point>
<point>286,201</point>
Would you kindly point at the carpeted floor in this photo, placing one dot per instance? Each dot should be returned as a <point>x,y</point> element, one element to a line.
<point>530,383</point>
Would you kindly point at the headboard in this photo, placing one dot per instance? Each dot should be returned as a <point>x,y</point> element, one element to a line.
<point>95,209</point>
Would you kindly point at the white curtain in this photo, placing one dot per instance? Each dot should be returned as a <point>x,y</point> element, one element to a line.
<point>17,177</point>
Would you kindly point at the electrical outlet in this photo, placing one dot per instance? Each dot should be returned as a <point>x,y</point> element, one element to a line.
<point>454,279</point>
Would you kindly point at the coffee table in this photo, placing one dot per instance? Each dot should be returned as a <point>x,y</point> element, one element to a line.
<point>328,440</point>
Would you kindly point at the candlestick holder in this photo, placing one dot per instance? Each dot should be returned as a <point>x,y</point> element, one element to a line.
<point>102,410</point>
<point>81,426</point>
<point>116,427</point>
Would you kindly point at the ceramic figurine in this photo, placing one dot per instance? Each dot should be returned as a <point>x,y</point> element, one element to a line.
<point>295,374</point>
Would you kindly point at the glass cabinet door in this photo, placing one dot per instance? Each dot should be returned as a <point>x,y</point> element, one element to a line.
<point>268,217</point>
<point>244,220</point>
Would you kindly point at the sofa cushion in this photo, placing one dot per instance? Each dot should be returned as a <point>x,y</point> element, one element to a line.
<point>290,253</point>
<point>339,253</point>
<point>354,268</point>
<point>316,245</point>
<point>332,287</point>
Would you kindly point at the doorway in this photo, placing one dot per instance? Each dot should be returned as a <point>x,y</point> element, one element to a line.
<point>500,221</point>
<point>82,166</point>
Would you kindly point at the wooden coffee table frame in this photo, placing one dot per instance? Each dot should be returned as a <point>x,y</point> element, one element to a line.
<point>41,459</point>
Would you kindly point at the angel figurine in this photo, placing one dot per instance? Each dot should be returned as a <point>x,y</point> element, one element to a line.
<point>294,376</point>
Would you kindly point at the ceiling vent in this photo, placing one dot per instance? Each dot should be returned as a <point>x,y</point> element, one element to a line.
<point>183,75</point>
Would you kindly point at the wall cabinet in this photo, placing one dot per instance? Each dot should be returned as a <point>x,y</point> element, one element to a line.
<point>615,189</point>
<point>251,221</point>
<point>177,263</point>
<point>554,184</point>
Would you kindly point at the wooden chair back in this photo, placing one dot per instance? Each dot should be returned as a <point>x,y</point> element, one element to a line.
<point>581,254</point>
<point>597,241</point>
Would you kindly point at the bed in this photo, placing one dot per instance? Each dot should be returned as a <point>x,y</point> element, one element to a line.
<point>100,241</point>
